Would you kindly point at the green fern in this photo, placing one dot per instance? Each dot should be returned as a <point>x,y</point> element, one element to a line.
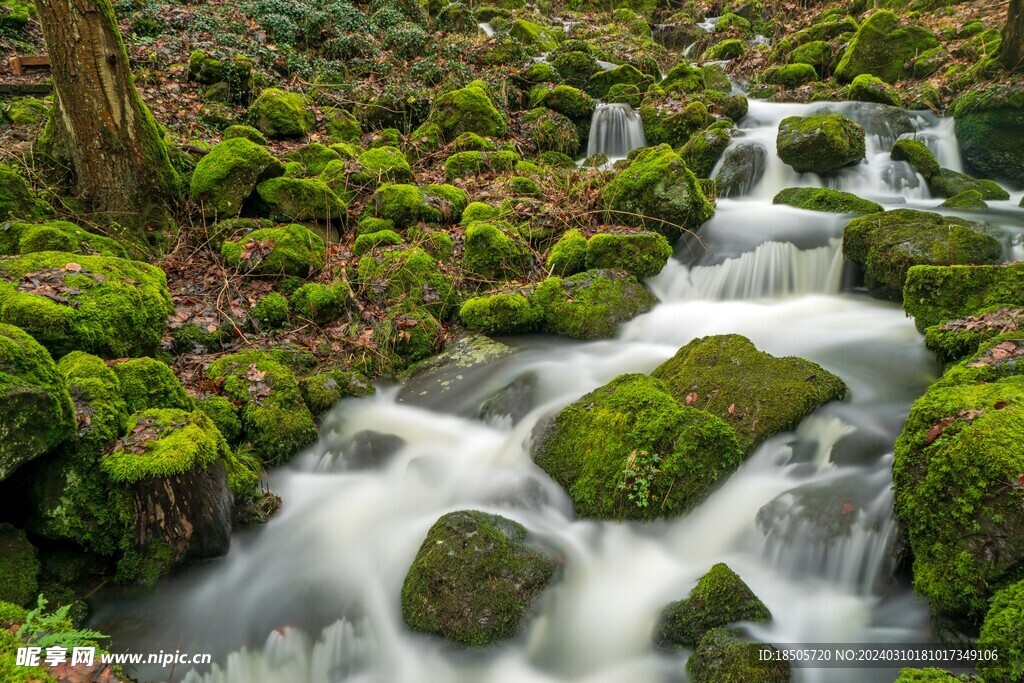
<point>55,630</point>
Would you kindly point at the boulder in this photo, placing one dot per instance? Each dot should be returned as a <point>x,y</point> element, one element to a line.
<point>104,305</point>
<point>19,567</point>
<point>703,150</point>
<point>743,166</point>
<point>550,131</point>
<point>324,389</point>
<point>630,450</point>
<point>474,579</point>
<point>467,110</point>
<point>306,200</point>
<point>592,304</point>
<point>642,254</point>
<point>147,383</point>
<point>990,129</point>
<point>942,182</point>
<point>825,199</point>
<point>321,303</point>
<point>820,143</point>
<point>727,655</point>
<point>935,294</point>
<point>492,253</point>
<point>757,394</point>
<point>407,275</point>
<point>280,114</point>
<point>882,47</point>
<point>26,238</point>
<point>382,165</point>
<point>291,250</point>
<point>867,88</point>
<point>1001,633</point>
<point>227,177</point>
<point>720,598</point>
<point>501,314</point>
<point>656,190</point>
<point>888,244</point>
<point>568,255</point>
<point>967,200</point>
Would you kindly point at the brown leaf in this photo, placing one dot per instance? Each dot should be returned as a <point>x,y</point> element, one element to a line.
<point>73,267</point>
<point>691,398</point>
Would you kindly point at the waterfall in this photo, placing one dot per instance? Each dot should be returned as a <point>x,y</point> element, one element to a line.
<point>486,28</point>
<point>615,130</point>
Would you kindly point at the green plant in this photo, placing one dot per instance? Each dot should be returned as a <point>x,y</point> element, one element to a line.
<point>55,630</point>
<point>640,470</point>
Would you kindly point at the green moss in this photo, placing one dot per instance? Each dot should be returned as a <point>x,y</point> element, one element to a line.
<point>226,177</point>
<point>720,598</point>
<point>243,131</point>
<point>824,199</point>
<point>524,187</point>
<point>492,253</point>
<point>181,441</point>
<point>16,200</point>
<point>271,311</point>
<point>867,88</point>
<point>990,130</point>
<point>321,303</point>
<point>889,244</point>
<point>479,211</point>
<point>280,114</point>
<point>409,333</point>
<point>950,477</point>
<point>147,383</point>
<point>575,67</point>
<point>25,238</point>
<point>629,450</point>
<point>703,150</point>
<point>666,123</point>
<point>568,256</point>
<point>757,394</point>
<point>726,655</point>
<point>467,110</point>
<point>275,419</point>
<point>657,191</point>
<point>223,413</point>
<point>314,158</point>
<point>685,77</point>
<point>386,137</point>
<point>443,203</point>
<point>464,164</point>
<point>234,72</point>
<point>19,567</point>
<point>570,102</point>
<point>942,182</point>
<point>727,49</point>
<point>927,675</point>
<point>882,47</point>
<point>559,160</point>
<point>380,165</point>
<point>369,225</point>
<point>474,579</point>
<point>300,199</point>
<point>291,250</point>
<point>592,304</point>
<point>601,83</point>
<point>500,314</point>
<point>816,53</point>
<point>789,75</point>
<point>1002,633</point>
<point>641,254</point>
<point>472,142</point>
<point>968,199</point>
<point>108,306</point>
<point>322,390</point>
<point>935,294</point>
<point>551,131</point>
<point>341,125</point>
<point>399,203</point>
<point>531,34</point>
<point>820,143</point>
<point>382,238</point>
<point>408,274</point>
<point>10,670</point>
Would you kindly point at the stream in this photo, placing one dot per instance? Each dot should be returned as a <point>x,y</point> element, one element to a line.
<point>807,522</point>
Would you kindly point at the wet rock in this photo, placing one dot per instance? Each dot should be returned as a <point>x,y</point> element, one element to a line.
<point>820,143</point>
<point>942,182</point>
<point>592,304</point>
<point>742,168</point>
<point>727,655</point>
<point>824,199</point>
<point>453,371</point>
<point>370,449</point>
<point>934,294</point>
<point>513,402</point>
<point>990,130</point>
<point>882,47</point>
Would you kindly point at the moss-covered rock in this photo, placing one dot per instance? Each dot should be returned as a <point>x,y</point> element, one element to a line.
<point>147,383</point>
<point>534,35</point>
<point>666,122</point>
<point>280,114</point>
<point>16,200</point>
<point>867,88</point>
<point>226,177</point>
<point>575,67</point>
<point>967,200</point>
<point>703,150</point>
<point>629,450</point>
<point>467,110</point>
<point>683,76</point>
<point>291,250</point>
<point>815,53</point>
<point>731,48</point>
<point>757,394</point>
<point>501,314</point>
<point>934,294</point>
<point>243,131</point>
<point>271,311</point>
<point>409,333</point>
<point>889,244</point>
<point>104,305</point>
<point>820,143</point>
<point>524,187</point>
<point>26,238</point>
<point>550,131</point>
<point>592,304</point>
<point>313,157</point>
<point>657,191</point>
<point>942,182</point>
<point>464,164</point>
<point>223,413</point>
<point>882,47</point>
<point>727,655</point>
<point>601,83</point>
<point>300,199</point>
<point>959,448</point>
<point>322,390</point>
<point>492,253</point>
<point>472,142</point>
<point>382,165</point>
<point>990,129</point>
<point>364,244</point>
<point>474,579</point>
<point>641,254</point>
<point>19,567</point>
<point>1001,633</point>
<point>275,419</point>
<point>570,102</point>
<point>928,675</point>
<point>319,302</point>
<point>407,275</point>
<point>720,598</point>
<point>825,199</point>
<point>789,75</point>
<point>568,255</point>
<point>27,111</point>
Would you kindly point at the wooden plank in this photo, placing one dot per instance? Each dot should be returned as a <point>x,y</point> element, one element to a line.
<point>20,62</point>
<point>25,89</point>
<point>16,66</point>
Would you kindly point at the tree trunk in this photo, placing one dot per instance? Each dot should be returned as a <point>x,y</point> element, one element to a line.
<point>99,125</point>
<point>1012,53</point>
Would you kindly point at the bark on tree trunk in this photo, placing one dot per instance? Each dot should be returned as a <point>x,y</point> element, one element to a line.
<point>1012,52</point>
<point>109,137</point>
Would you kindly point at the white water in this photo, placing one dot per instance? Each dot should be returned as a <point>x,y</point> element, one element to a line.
<point>313,597</point>
<point>486,28</point>
<point>615,130</point>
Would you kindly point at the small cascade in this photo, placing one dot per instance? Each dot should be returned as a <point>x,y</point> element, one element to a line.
<point>486,28</point>
<point>615,130</point>
<point>606,66</point>
<point>709,24</point>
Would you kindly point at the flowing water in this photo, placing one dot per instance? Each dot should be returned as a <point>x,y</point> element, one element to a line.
<point>615,130</point>
<point>313,597</point>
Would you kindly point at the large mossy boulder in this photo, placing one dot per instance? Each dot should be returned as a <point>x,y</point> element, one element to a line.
<point>19,567</point>
<point>956,463</point>
<point>703,150</point>
<point>382,165</point>
<point>474,579</point>
<point>727,655</point>
<point>411,275</point>
<point>226,177</point>
<point>989,124</point>
<point>108,306</point>
<point>825,199</point>
<point>275,420</point>
<point>147,383</point>
<point>642,254</point>
<point>16,200</point>
<point>469,110</point>
<point>550,131</point>
<point>888,244</point>
<point>934,294</point>
<point>630,450</point>
<point>503,313</point>
<point>720,598</point>
<point>757,394</point>
<point>492,253</point>
<point>820,143</point>
<point>592,304</point>
<point>280,114</point>
<point>306,200</point>
<point>657,191</point>
<point>36,414</point>
<point>26,238</point>
<point>291,250</point>
<point>942,182</point>
<point>882,47</point>
<point>1002,633</point>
